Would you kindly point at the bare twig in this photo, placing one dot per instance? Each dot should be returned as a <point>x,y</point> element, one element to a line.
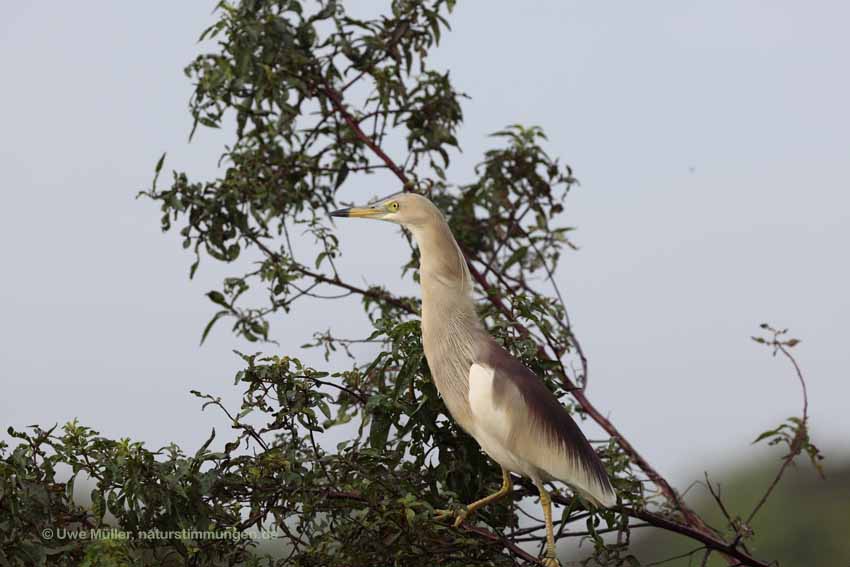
<point>680,556</point>
<point>741,530</point>
<point>716,496</point>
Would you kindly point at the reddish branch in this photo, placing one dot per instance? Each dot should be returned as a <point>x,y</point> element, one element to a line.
<point>376,294</point>
<point>336,99</point>
<point>729,550</point>
<point>668,491</point>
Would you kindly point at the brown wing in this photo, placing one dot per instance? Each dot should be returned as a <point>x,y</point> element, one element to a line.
<point>542,432</point>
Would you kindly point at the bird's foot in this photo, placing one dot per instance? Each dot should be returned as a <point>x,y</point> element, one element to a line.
<point>441,514</point>
<point>550,562</point>
<point>458,515</point>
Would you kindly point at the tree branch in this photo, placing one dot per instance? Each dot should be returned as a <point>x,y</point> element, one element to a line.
<point>336,99</point>
<point>372,293</point>
<point>730,550</point>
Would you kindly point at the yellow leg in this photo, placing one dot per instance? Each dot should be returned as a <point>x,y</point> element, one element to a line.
<point>551,559</point>
<point>469,509</point>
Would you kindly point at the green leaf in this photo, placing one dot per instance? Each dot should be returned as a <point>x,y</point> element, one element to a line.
<point>157,170</point>
<point>159,163</point>
<point>211,323</point>
<point>325,409</point>
<point>341,176</point>
<point>218,298</point>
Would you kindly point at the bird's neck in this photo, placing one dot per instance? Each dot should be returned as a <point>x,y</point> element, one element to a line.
<point>445,279</point>
<point>450,324</point>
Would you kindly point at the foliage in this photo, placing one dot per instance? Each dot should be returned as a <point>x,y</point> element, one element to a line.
<point>314,95</point>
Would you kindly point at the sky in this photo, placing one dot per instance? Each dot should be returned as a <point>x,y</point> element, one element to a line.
<point>712,142</point>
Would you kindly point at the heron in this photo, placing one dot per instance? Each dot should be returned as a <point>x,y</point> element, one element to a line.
<point>494,398</point>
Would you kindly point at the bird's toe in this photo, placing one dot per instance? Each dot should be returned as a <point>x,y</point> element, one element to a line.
<point>461,517</point>
<point>551,562</point>
<point>442,515</point>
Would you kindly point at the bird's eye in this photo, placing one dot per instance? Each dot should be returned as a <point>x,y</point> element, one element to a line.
<point>392,206</point>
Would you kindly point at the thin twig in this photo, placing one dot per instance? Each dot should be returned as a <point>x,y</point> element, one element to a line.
<point>796,445</point>
<point>669,559</point>
<point>716,496</point>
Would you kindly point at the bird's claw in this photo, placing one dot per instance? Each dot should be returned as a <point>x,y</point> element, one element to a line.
<point>458,515</point>
<point>441,514</point>
<point>551,562</point>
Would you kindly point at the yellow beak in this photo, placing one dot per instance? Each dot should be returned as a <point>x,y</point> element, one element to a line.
<point>363,212</point>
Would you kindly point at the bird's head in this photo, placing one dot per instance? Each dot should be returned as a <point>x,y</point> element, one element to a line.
<point>407,209</point>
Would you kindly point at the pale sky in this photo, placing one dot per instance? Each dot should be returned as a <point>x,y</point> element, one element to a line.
<point>712,142</point>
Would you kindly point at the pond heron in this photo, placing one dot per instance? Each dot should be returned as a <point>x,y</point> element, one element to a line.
<point>509,411</point>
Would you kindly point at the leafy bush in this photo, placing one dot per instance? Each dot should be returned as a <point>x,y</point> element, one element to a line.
<point>316,95</point>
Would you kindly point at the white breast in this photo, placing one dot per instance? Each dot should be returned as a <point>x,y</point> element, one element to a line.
<point>491,423</point>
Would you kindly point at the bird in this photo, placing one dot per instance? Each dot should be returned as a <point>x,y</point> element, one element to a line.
<point>503,405</point>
